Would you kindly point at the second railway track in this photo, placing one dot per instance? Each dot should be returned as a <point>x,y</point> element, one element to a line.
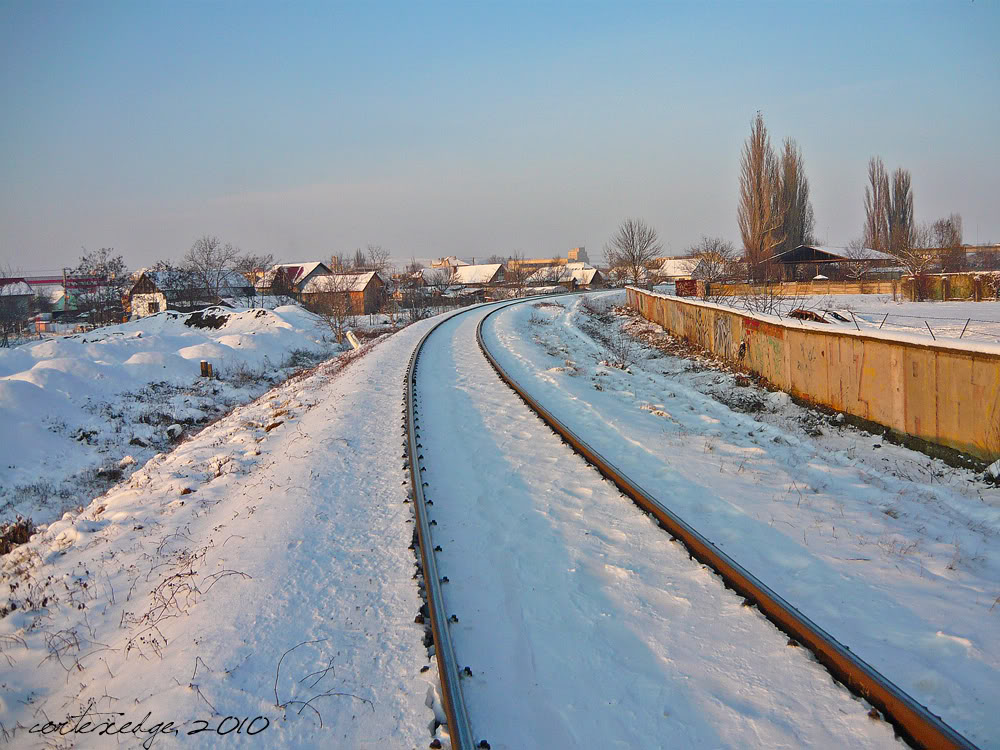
<point>487,530</point>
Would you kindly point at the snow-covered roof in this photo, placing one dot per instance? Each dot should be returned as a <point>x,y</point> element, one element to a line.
<point>15,289</point>
<point>229,284</point>
<point>340,282</point>
<point>829,254</point>
<point>863,253</point>
<point>450,262</point>
<point>295,272</point>
<point>581,273</point>
<point>481,274</point>
<point>678,266</point>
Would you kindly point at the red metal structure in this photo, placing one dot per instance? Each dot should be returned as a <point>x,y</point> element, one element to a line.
<point>87,283</point>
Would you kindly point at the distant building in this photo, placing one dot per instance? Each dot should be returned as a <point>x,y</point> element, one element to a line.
<point>576,275</point>
<point>674,269</point>
<point>285,278</point>
<point>64,304</point>
<point>481,275</point>
<point>449,264</point>
<point>365,292</point>
<point>805,260</point>
<point>15,305</point>
<point>183,291</point>
<point>578,254</point>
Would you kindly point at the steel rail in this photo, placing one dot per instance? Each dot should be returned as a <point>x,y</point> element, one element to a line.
<point>911,720</point>
<point>459,728</point>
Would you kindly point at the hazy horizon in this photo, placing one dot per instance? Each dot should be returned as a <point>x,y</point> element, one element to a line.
<point>311,129</point>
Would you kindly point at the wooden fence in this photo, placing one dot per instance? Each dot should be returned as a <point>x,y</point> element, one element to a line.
<point>805,288</point>
<point>975,286</point>
<point>940,393</point>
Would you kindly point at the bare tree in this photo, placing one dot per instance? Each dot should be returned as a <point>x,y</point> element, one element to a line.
<point>14,305</point>
<point>378,258</point>
<point>918,256</point>
<point>211,262</point>
<point>759,211</point>
<point>184,289</point>
<point>909,243</point>
<point>795,208</point>
<point>256,268</point>
<point>947,235</point>
<point>858,260</point>
<point>101,300</point>
<point>413,266</point>
<point>716,258</point>
<point>989,260</point>
<point>901,224</point>
<point>876,230</point>
<point>631,248</point>
<point>516,273</point>
<point>360,262</point>
<point>332,303</point>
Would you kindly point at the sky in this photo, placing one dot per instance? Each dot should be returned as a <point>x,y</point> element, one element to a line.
<point>471,129</point>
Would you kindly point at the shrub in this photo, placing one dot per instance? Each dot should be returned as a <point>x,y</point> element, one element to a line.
<point>14,533</point>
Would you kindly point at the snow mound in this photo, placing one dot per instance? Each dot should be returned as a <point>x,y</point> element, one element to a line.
<point>70,404</point>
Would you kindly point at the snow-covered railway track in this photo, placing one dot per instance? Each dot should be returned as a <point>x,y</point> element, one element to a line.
<point>563,617</point>
<point>912,720</point>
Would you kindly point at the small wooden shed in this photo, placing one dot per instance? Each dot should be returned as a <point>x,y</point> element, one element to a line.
<point>365,292</point>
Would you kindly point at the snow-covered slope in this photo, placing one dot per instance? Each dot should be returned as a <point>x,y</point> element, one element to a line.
<point>260,569</point>
<point>72,408</point>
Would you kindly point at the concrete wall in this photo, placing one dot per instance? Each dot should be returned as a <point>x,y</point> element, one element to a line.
<point>940,393</point>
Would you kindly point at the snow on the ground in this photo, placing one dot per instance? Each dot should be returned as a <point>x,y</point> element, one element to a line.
<point>582,624</point>
<point>968,321</point>
<point>260,569</point>
<point>896,554</point>
<point>79,412</point>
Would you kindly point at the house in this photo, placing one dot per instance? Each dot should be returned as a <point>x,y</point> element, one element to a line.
<point>64,304</point>
<point>481,275</point>
<point>811,257</point>
<point>422,282</point>
<point>577,275</point>
<point>174,289</point>
<point>449,264</point>
<point>290,278</point>
<point>15,304</point>
<point>364,292</point>
<point>672,269</point>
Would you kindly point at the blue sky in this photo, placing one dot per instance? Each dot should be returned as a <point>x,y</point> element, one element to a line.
<point>309,128</point>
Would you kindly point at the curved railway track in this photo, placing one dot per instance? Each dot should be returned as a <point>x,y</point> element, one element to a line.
<point>912,721</point>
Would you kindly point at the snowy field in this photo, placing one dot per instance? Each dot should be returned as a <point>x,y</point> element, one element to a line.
<point>969,321</point>
<point>893,552</point>
<point>79,413</point>
<point>258,571</point>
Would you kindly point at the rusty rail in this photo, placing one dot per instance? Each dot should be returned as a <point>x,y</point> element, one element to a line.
<point>912,721</point>
<point>459,729</point>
